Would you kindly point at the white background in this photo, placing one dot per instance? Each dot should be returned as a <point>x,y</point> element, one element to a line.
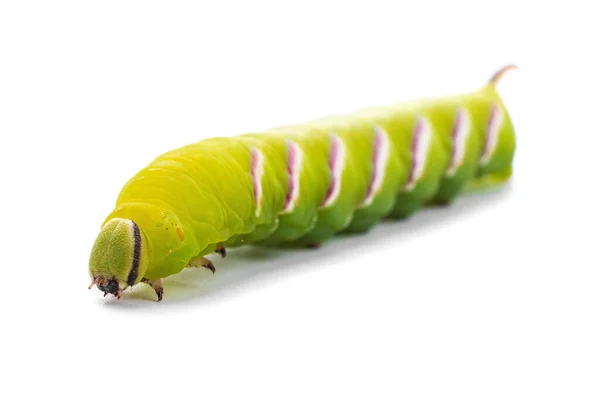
<point>496,297</point>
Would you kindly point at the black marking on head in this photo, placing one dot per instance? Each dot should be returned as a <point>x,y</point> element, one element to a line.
<point>137,248</point>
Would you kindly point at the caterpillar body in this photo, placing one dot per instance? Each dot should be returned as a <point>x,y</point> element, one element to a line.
<point>300,184</point>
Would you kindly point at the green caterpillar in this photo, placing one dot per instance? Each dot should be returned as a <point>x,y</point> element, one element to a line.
<point>300,185</point>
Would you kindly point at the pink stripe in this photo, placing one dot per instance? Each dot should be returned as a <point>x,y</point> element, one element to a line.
<point>420,147</point>
<point>492,132</point>
<point>460,134</point>
<point>257,170</point>
<point>381,154</point>
<point>294,163</point>
<point>337,160</point>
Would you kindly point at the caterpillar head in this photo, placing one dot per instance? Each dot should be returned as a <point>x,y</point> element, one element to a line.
<point>119,256</point>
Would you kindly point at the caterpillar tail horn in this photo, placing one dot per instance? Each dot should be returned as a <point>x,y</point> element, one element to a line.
<point>500,73</point>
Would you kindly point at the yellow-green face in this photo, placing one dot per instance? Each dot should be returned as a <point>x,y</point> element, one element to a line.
<point>119,256</point>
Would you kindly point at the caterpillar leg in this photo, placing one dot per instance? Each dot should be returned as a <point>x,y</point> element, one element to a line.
<point>314,245</point>
<point>157,286</point>
<point>221,250</point>
<point>441,202</point>
<point>201,262</point>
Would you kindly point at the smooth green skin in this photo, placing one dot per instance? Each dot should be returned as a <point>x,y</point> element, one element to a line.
<point>355,177</point>
<point>314,175</point>
<point>191,199</point>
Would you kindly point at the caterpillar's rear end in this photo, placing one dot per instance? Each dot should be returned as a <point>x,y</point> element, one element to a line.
<point>300,185</point>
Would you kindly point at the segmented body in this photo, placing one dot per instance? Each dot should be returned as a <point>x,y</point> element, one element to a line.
<point>302,184</point>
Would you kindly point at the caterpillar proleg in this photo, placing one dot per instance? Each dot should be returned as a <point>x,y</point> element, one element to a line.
<point>299,184</point>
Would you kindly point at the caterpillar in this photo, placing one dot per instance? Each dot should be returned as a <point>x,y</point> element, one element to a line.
<point>300,184</point>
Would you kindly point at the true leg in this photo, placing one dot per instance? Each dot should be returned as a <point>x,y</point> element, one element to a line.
<point>201,262</point>
<point>157,286</point>
<point>221,250</point>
